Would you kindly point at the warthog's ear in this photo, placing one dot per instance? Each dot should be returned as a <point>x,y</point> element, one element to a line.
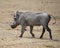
<point>19,12</point>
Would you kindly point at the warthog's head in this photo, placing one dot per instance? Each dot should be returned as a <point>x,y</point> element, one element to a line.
<point>16,21</point>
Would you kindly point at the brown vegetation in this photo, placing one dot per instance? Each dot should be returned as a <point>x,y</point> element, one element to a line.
<point>9,38</point>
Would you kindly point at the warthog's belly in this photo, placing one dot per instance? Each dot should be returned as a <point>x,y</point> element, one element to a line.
<point>33,22</point>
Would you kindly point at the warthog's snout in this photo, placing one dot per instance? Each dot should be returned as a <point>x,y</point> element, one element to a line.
<point>13,26</point>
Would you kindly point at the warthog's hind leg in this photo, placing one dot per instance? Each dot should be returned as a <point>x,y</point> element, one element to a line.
<point>49,30</point>
<point>31,29</point>
<point>42,32</point>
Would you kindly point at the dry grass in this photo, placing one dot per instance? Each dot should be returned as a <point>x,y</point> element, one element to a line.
<point>9,37</point>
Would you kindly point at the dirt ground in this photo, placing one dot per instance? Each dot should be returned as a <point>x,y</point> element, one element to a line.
<point>9,38</point>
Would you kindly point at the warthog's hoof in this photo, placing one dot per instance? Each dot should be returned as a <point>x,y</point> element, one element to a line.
<point>33,36</point>
<point>51,38</point>
<point>25,29</point>
<point>41,37</point>
<point>20,36</point>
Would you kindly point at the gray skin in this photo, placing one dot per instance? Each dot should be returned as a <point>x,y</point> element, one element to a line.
<point>32,19</point>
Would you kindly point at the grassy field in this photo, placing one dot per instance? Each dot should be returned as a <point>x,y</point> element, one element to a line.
<point>9,38</point>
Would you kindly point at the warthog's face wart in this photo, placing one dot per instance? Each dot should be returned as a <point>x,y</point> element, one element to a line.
<point>16,21</point>
<point>13,26</point>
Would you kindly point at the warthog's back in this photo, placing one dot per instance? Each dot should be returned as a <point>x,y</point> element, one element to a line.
<point>34,18</point>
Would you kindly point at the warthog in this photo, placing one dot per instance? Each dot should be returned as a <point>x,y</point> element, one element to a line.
<point>32,19</point>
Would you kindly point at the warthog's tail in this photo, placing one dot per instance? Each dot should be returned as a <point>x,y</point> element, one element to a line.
<point>53,18</point>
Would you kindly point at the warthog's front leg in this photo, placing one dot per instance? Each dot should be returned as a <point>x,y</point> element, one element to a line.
<point>22,31</point>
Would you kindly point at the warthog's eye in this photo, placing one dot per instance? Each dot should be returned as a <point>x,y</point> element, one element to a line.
<point>17,15</point>
<point>14,17</point>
